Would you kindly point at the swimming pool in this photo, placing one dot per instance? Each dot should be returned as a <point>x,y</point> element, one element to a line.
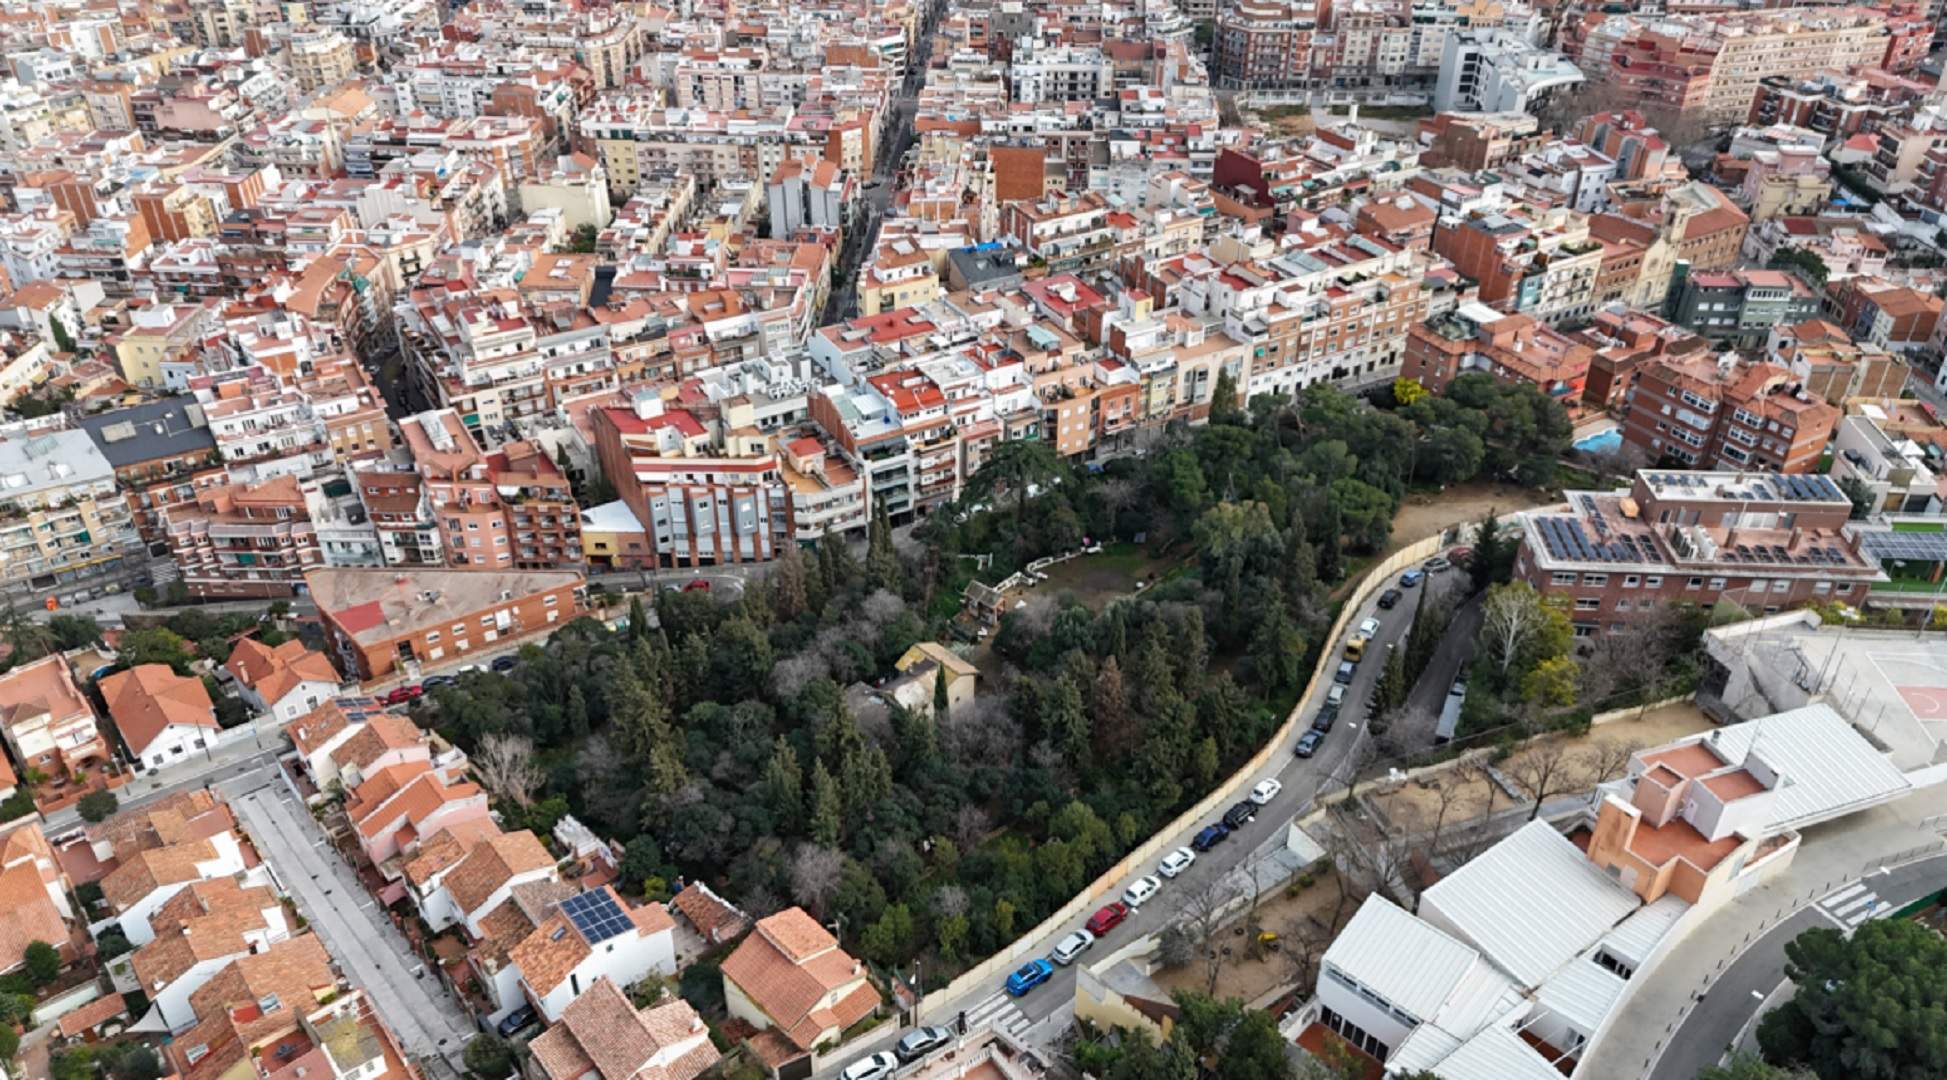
<point>1600,441</point>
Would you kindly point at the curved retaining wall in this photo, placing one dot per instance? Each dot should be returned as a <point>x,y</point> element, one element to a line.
<point>1030,944</point>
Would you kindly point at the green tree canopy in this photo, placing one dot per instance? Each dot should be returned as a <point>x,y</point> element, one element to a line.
<point>1872,1006</point>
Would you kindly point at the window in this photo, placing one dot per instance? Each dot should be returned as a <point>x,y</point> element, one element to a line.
<point>1654,581</point>
<point>550,601</point>
<point>1622,604</point>
<point>432,636</point>
<point>1631,581</point>
<point>1595,580</point>
<point>1695,583</point>
<point>1717,583</point>
<point>1588,603</point>
<point>1563,579</point>
<point>1822,588</point>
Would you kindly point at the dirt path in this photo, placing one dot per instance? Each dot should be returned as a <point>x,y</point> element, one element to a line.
<point>1425,514</point>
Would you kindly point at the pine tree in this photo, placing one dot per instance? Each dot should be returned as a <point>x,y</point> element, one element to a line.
<point>1483,566</point>
<point>827,807</point>
<point>941,700</point>
<point>1391,691</point>
<point>1065,719</point>
<point>1115,731</point>
<point>867,781</point>
<point>882,569</point>
<point>784,783</point>
<point>1331,562</point>
<point>788,584</point>
<point>638,620</point>
<point>574,714</point>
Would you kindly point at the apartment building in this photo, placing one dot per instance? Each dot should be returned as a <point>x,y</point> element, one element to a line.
<point>1893,317</point>
<point>1726,415</point>
<point>1499,71</point>
<point>1740,307</point>
<point>48,722</point>
<point>321,58</point>
<point>1543,264</point>
<point>62,518</point>
<point>509,508</point>
<point>1265,44</point>
<point>704,494</point>
<point>1836,104</point>
<point>1892,448</point>
<point>381,624</point>
<point>1512,348</point>
<point>1764,541</point>
<point>244,541</point>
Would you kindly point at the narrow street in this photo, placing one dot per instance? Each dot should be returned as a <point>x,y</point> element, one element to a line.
<point>373,954</point>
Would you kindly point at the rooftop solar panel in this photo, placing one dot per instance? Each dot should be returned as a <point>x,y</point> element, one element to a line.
<point>596,915</point>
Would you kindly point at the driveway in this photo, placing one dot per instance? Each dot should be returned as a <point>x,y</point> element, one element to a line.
<point>359,936</point>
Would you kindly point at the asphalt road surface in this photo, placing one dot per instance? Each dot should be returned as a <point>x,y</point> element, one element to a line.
<point>1043,1011</point>
<point>1729,1003</point>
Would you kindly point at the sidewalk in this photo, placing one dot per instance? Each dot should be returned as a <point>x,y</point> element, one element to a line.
<point>1829,856</point>
<point>244,750</point>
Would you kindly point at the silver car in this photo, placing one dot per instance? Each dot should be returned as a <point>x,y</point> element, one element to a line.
<point>1071,947</point>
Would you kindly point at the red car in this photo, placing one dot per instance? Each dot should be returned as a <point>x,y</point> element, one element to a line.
<point>1108,918</point>
<point>699,585</point>
<point>403,694</point>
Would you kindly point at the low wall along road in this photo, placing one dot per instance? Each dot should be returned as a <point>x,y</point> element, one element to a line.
<point>989,973</point>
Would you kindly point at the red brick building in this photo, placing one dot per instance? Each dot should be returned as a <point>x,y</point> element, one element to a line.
<point>1716,415</point>
<point>381,623</point>
<point>244,540</point>
<point>1512,348</point>
<point>1765,542</point>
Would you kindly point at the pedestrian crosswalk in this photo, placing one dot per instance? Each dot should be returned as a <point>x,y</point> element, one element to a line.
<point>1852,905</point>
<point>1002,1013</point>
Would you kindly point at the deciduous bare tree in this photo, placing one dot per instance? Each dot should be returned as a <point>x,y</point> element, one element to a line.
<point>505,765</point>
<point>1545,767</point>
<point>1200,915</point>
<point>815,872</point>
<point>1510,618</point>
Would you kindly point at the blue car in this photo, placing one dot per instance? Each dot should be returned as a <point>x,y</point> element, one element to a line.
<point>1210,837</point>
<point>1411,578</point>
<point>1032,974</point>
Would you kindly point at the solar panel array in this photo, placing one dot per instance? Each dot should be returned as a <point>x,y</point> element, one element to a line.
<point>1917,546</point>
<point>1565,538</point>
<point>1780,487</point>
<point>596,915</point>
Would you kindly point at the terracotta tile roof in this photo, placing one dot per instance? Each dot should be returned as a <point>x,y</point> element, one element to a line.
<point>232,1016</point>
<point>492,863</point>
<point>146,871</point>
<point>601,1031</point>
<point>788,966</point>
<point>42,686</point>
<point>182,816</point>
<point>547,955</point>
<point>203,921</point>
<point>405,794</point>
<point>92,1015</point>
<point>711,915</point>
<point>318,727</point>
<point>274,672</point>
<point>381,733</point>
<point>148,698</point>
<point>444,849</point>
<point>27,915</point>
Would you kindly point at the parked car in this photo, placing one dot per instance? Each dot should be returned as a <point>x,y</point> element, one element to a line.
<point>919,1042</point>
<point>698,585</point>
<point>1437,565</point>
<point>1308,743</point>
<point>1411,578</point>
<point>1389,599</point>
<point>1265,791</point>
<point>1335,695</point>
<point>1347,669</point>
<point>514,1021</point>
<point>1369,628</point>
<point>434,682</point>
<point>1140,890</point>
<point>1176,862</point>
<point>1070,947</point>
<point>402,694</point>
<point>1107,918</point>
<point>1028,976</point>
<point>504,663</point>
<point>879,1066</point>
<point>1239,813</point>
<point>1460,556</point>
<point>1210,837</point>
<point>1326,717</point>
